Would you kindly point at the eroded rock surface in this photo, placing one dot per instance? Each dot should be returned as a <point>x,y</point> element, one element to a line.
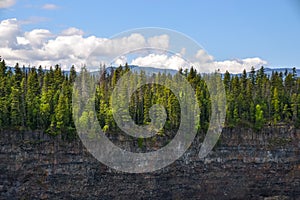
<point>245,165</point>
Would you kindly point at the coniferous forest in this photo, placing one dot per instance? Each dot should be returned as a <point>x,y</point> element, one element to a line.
<point>38,99</point>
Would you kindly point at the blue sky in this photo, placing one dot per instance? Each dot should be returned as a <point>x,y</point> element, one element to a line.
<point>228,30</point>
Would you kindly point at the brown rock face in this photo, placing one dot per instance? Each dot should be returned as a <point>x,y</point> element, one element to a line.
<point>244,165</point>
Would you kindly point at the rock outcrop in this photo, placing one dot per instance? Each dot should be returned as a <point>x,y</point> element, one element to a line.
<point>244,165</point>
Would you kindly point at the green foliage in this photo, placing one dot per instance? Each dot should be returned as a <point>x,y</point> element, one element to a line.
<point>275,104</point>
<point>140,142</point>
<point>259,118</point>
<point>105,128</point>
<point>37,99</point>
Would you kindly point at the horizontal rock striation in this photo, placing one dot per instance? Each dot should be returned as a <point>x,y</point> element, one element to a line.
<point>244,165</point>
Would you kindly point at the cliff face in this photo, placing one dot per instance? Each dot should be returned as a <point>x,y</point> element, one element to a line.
<point>245,165</point>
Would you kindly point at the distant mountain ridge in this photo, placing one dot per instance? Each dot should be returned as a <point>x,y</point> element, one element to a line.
<point>151,70</point>
<point>269,71</point>
<point>147,70</point>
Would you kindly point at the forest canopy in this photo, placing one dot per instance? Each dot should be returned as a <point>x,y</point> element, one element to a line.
<point>38,99</point>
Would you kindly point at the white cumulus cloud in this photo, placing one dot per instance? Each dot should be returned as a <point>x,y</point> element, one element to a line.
<point>238,65</point>
<point>71,47</point>
<point>204,63</point>
<point>72,31</point>
<point>203,57</point>
<point>122,60</point>
<point>37,37</point>
<point>9,29</point>
<point>42,47</point>
<point>162,61</point>
<point>161,41</point>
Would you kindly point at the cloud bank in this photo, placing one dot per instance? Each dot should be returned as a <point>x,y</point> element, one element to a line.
<point>72,47</point>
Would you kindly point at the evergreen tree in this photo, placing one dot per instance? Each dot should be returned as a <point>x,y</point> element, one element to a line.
<point>276,104</point>
<point>39,99</point>
<point>259,118</point>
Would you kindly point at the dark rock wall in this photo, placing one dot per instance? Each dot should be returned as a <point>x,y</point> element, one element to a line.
<point>244,165</point>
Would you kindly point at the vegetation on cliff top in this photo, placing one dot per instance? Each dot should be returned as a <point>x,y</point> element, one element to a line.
<point>40,99</point>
